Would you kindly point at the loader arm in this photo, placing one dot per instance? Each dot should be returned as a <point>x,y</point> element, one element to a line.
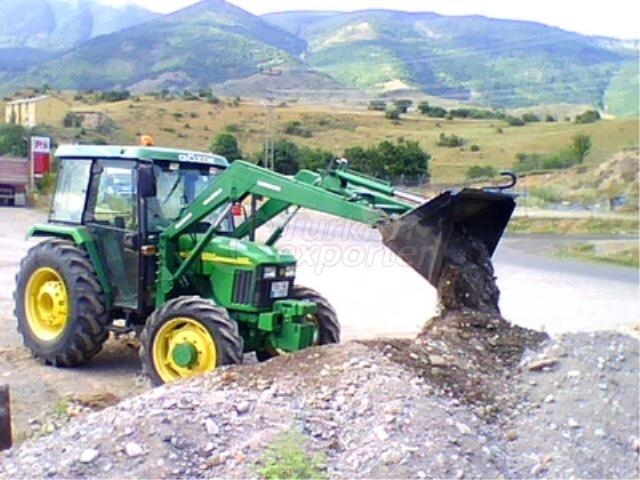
<point>236,183</point>
<point>417,231</point>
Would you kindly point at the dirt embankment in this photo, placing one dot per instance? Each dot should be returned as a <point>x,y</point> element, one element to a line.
<point>471,397</point>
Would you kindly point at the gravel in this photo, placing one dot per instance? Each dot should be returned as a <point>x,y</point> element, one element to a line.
<point>370,415</point>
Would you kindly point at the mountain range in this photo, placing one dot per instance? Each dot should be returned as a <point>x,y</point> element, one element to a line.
<point>75,44</point>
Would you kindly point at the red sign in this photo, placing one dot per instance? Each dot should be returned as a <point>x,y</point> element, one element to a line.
<point>41,155</point>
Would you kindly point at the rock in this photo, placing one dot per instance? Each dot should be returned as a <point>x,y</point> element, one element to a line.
<point>89,455</point>
<point>421,474</point>
<point>635,443</point>
<point>538,365</point>
<point>512,435</point>
<point>573,423</point>
<point>537,469</point>
<point>132,449</point>
<point>600,433</point>
<point>212,427</point>
<point>437,361</point>
<point>242,407</point>
<point>391,457</point>
<point>549,398</point>
<point>573,374</point>
<point>463,429</point>
<point>381,433</point>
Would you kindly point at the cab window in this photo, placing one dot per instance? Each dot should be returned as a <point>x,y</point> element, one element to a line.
<point>115,200</point>
<point>71,190</point>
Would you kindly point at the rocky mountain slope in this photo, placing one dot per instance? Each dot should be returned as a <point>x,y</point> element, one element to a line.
<point>494,62</point>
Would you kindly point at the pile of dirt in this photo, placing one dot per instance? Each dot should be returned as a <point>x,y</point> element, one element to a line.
<point>468,349</point>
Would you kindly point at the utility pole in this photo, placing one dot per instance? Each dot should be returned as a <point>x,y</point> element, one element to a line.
<point>269,154</point>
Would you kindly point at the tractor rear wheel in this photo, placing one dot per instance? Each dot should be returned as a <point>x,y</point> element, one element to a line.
<point>188,336</point>
<point>60,304</point>
<point>325,319</point>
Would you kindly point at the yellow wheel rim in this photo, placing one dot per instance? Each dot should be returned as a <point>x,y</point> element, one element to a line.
<point>47,304</point>
<point>182,348</point>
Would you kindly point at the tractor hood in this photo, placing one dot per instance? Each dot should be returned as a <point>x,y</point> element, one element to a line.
<point>230,251</point>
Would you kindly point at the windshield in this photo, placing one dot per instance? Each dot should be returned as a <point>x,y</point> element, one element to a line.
<point>178,185</point>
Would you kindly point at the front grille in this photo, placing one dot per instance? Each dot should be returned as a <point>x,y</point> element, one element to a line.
<point>242,287</point>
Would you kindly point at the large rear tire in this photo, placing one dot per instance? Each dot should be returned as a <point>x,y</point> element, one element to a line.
<point>188,336</point>
<point>60,305</point>
<point>325,318</point>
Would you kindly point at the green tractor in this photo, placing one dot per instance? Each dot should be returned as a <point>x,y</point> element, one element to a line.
<point>145,239</point>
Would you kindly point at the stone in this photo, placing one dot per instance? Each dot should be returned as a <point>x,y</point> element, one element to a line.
<point>242,407</point>
<point>538,365</point>
<point>463,429</point>
<point>512,435</point>
<point>549,398</point>
<point>89,455</point>
<point>391,457</point>
<point>437,361</point>
<point>573,423</point>
<point>132,449</point>
<point>212,427</point>
<point>381,433</point>
<point>600,433</point>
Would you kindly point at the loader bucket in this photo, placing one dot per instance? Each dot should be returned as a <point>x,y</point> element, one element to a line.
<point>420,237</point>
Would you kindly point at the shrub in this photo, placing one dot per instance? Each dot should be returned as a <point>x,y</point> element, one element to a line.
<point>433,112</point>
<point>580,146</point>
<point>295,128</point>
<point>315,158</point>
<point>530,118</point>
<point>287,157</point>
<point>590,116</point>
<point>550,118</point>
<point>226,144</point>
<point>515,121</point>
<point>478,171</point>
<point>114,96</point>
<point>474,148</point>
<point>213,100</point>
<point>285,458</point>
<point>393,114</point>
<point>377,105</point>
<point>402,105</point>
<point>450,141</point>
<point>72,120</point>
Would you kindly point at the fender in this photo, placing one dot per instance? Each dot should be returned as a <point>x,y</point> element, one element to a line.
<point>80,236</point>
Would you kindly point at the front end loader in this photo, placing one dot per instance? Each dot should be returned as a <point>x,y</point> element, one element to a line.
<point>144,239</point>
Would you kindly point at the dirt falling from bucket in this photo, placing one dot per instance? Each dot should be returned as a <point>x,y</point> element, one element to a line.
<point>468,350</point>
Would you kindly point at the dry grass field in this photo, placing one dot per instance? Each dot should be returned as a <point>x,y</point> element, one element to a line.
<point>193,124</point>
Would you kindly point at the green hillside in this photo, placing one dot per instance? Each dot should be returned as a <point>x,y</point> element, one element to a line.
<point>495,62</point>
<point>498,63</point>
<point>623,94</point>
<point>205,44</point>
<point>62,24</point>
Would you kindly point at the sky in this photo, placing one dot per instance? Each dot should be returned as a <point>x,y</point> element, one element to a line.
<point>614,18</point>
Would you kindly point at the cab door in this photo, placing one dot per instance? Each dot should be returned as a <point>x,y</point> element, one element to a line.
<point>112,219</point>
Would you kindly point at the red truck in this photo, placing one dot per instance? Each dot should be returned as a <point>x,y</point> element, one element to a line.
<point>14,180</point>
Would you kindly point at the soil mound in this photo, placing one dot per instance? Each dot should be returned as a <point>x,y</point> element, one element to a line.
<point>468,349</point>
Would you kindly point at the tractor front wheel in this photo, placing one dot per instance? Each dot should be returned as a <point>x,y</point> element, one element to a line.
<point>60,305</point>
<point>188,336</point>
<point>325,320</point>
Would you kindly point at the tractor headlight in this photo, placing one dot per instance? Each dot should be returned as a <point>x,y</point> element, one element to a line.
<point>290,271</point>
<point>269,272</point>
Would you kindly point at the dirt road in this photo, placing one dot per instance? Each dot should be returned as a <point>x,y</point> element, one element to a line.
<point>374,293</point>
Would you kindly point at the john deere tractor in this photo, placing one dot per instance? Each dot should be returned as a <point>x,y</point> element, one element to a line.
<point>145,239</point>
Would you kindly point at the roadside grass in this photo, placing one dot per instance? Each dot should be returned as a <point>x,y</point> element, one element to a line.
<point>627,257</point>
<point>286,459</point>
<point>339,126</point>
<point>573,226</point>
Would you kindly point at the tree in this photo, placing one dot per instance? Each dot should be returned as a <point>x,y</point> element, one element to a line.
<point>423,107</point>
<point>377,105</point>
<point>403,105</point>
<point>287,157</point>
<point>13,140</point>
<point>589,116</point>
<point>580,146</point>
<point>315,158</point>
<point>226,144</point>
<point>393,114</point>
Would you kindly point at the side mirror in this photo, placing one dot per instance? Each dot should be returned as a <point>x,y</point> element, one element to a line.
<point>146,181</point>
